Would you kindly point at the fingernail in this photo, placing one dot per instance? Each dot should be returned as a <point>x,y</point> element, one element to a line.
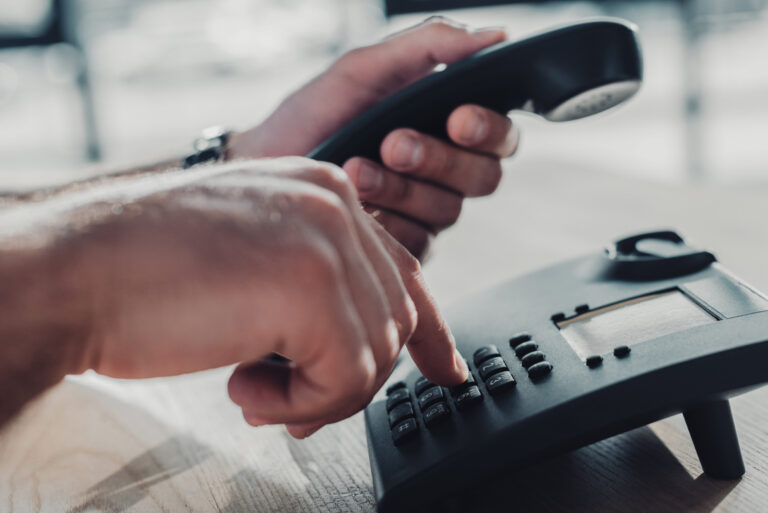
<point>407,152</point>
<point>460,364</point>
<point>367,178</point>
<point>490,34</point>
<point>497,28</point>
<point>474,128</point>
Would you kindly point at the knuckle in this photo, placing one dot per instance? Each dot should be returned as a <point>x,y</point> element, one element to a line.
<point>409,321</point>
<point>440,24</point>
<point>409,264</point>
<point>317,263</point>
<point>326,210</point>
<point>332,178</point>
<point>361,376</point>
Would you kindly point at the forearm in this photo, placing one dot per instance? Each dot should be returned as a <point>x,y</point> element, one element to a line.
<point>43,328</point>
<point>101,176</point>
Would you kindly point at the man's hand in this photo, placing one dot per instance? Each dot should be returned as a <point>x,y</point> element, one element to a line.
<point>420,188</point>
<point>215,266</point>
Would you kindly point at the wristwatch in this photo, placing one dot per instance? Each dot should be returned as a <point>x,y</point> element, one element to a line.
<point>210,147</point>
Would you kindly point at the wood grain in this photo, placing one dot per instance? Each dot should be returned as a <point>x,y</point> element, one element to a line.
<point>178,445</point>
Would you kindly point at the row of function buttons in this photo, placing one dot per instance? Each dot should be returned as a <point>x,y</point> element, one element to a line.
<point>433,402</point>
<point>526,350</point>
<point>597,360</point>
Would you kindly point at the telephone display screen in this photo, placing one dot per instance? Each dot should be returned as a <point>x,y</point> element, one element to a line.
<point>633,321</point>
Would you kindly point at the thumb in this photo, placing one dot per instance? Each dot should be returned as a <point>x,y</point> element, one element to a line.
<point>407,56</point>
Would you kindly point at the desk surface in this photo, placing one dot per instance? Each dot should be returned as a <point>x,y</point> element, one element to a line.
<point>179,445</point>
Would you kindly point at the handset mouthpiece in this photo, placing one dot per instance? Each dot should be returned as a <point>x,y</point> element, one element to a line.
<point>593,101</point>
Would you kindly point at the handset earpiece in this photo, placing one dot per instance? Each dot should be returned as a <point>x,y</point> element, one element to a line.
<point>562,74</point>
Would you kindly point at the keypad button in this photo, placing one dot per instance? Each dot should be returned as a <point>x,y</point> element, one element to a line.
<point>468,383</point>
<point>582,309</point>
<point>394,386</point>
<point>519,339</point>
<point>405,430</point>
<point>532,358</point>
<point>484,353</point>
<point>621,351</point>
<point>500,381</point>
<point>436,413</point>
<point>400,412</point>
<point>422,384</point>
<point>400,395</point>
<point>429,396</point>
<point>540,370</point>
<point>468,397</point>
<point>492,366</point>
<point>525,348</point>
<point>560,316</point>
<point>594,361</point>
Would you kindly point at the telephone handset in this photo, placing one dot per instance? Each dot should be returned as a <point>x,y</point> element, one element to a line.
<point>563,74</point>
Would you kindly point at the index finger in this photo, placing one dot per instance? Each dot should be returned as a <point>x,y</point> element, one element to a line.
<point>432,345</point>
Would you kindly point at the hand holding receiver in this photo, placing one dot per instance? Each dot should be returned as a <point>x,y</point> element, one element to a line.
<point>563,74</point>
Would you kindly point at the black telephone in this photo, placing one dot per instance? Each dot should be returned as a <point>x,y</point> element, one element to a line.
<point>570,355</point>
<point>562,74</point>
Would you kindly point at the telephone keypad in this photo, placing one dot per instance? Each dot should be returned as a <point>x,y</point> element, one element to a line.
<point>430,396</point>
<point>492,366</point>
<point>399,396</point>
<point>399,413</point>
<point>422,384</point>
<point>468,397</point>
<point>405,430</point>
<point>395,386</point>
<point>436,413</point>
<point>468,383</point>
<point>500,381</point>
<point>485,353</point>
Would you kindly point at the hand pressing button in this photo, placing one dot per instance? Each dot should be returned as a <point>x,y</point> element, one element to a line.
<point>468,397</point>
<point>468,383</point>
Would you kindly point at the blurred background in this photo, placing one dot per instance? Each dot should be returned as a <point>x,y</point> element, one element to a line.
<point>124,81</point>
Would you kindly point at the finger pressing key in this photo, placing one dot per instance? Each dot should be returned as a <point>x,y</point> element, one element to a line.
<point>432,346</point>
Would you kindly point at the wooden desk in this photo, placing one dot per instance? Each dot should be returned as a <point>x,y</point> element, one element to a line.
<point>178,445</point>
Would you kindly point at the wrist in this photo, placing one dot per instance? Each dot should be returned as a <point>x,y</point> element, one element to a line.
<point>242,146</point>
<point>45,296</point>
